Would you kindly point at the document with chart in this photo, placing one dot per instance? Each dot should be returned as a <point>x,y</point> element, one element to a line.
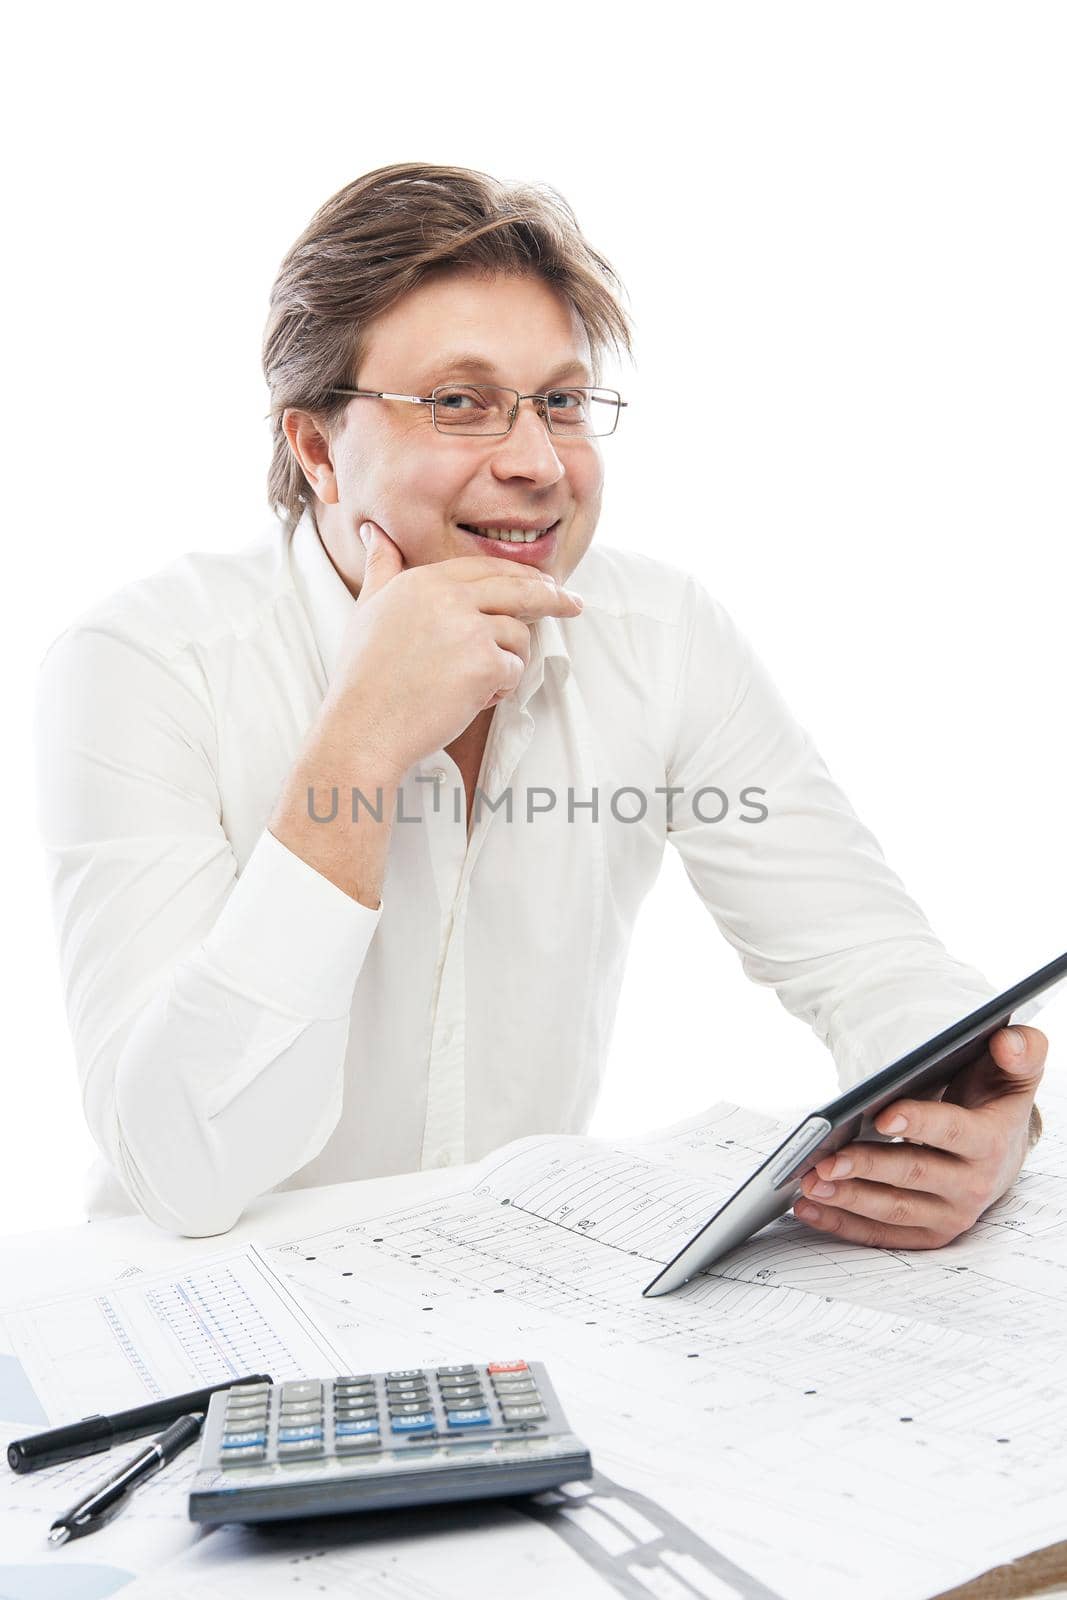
<point>920,1390</point>
<point>808,1419</point>
<point>138,1338</point>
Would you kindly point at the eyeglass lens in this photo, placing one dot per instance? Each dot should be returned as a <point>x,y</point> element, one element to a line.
<point>485,409</point>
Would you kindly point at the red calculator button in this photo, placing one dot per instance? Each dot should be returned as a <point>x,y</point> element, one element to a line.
<point>507,1366</point>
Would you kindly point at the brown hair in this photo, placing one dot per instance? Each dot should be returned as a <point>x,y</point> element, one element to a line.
<point>379,237</point>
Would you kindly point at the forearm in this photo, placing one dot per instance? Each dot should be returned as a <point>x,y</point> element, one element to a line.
<point>336,808</point>
<point>194,1153</point>
<point>229,1076</point>
<point>209,1001</point>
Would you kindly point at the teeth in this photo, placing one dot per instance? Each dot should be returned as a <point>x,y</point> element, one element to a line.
<point>511,535</point>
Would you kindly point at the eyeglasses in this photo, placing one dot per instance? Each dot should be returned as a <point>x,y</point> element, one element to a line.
<point>487,409</point>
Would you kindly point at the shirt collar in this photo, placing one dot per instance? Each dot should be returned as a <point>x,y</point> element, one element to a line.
<point>328,603</point>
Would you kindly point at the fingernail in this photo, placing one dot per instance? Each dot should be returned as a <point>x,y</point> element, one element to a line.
<point>841,1167</point>
<point>1018,1041</point>
<point>575,597</point>
<point>806,1212</point>
<point>895,1125</point>
<point>823,1190</point>
<point>365,531</point>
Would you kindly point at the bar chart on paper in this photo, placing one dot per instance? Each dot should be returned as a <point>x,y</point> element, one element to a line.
<point>152,1335</point>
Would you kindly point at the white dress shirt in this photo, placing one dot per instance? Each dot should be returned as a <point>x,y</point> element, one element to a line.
<point>241,1024</point>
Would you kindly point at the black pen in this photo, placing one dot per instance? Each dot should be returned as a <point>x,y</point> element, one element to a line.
<point>108,1497</point>
<point>91,1434</point>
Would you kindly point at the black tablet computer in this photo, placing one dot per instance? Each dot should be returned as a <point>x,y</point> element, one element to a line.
<point>773,1187</point>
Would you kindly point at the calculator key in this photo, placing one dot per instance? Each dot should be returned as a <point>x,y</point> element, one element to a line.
<point>415,1424</point>
<point>367,1425</point>
<point>394,1385</point>
<point>353,1391</point>
<point>242,1441</point>
<point>289,1448</point>
<point>405,1372</point>
<point>456,1372</point>
<point>248,1390</point>
<point>289,1435</point>
<point>237,1458</point>
<point>462,1391</point>
<point>256,1408</point>
<point>294,1416</point>
<point>467,1419</point>
<point>419,1398</point>
<point>231,1427</point>
<point>471,1403</point>
<point>507,1366</point>
<point>528,1387</point>
<point>349,1379</point>
<point>525,1414</point>
<point>304,1390</point>
<point>407,1408</point>
<point>355,1413</point>
<point>357,1441</point>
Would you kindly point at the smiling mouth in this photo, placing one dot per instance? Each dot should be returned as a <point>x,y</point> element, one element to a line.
<point>510,535</point>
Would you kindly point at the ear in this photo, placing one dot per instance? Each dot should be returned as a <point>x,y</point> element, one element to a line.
<point>311,447</point>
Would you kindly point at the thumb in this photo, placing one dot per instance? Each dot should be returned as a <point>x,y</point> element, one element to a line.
<point>1025,1065</point>
<point>1001,1071</point>
<point>383,559</point>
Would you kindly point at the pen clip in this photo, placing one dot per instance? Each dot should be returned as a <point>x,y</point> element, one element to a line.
<point>99,1518</point>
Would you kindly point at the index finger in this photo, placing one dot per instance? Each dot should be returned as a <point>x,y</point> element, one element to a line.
<point>938,1123</point>
<point>524,595</point>
<point>470,567</point>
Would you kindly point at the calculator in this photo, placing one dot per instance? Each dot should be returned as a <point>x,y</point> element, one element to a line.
<point>369,1441</point>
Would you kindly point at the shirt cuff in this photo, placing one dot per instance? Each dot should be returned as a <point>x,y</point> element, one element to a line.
<point>289,935</point>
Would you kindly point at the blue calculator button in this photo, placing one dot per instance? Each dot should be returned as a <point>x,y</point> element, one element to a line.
<point>290,1435</point>
<point>370,1425</point>
<point>424,1419</point>
<point>239,1441</point>
<point>466,1419</point>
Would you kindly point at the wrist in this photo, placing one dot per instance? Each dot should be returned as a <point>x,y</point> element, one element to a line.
<point>354,747</point>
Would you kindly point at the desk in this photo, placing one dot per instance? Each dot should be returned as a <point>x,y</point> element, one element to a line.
<point>32,1265</point>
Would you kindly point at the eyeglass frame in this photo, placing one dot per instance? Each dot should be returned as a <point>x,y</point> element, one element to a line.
<point>429,400</point>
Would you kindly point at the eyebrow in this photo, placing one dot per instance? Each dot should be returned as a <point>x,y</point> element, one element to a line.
<point>470,361</point>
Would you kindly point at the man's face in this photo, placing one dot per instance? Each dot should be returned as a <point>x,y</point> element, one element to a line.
<point>391,466</point>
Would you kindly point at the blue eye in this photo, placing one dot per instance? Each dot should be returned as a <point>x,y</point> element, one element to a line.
<point>453,399</point>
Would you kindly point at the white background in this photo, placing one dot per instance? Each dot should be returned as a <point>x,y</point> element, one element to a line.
<point>842,229</point>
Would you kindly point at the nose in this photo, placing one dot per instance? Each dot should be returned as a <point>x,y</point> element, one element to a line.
<point>528,450</point>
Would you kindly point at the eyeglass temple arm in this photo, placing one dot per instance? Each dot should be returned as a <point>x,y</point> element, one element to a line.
<point>383,394</point>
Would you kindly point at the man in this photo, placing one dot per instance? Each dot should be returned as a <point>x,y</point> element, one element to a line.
<point>348,830</point>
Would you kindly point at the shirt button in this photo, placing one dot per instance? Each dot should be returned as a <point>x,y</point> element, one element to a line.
<point>437,773</point>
